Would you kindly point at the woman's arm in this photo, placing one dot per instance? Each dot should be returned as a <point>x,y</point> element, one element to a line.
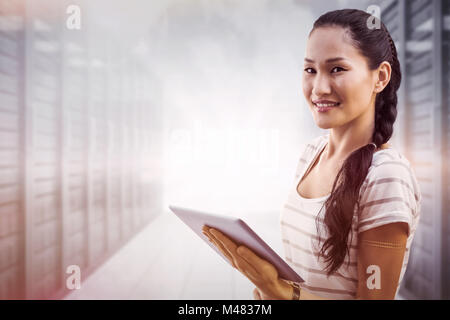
<point>380,260</point>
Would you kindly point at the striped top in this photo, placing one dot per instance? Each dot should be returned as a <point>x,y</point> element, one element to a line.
<point>390,193</point>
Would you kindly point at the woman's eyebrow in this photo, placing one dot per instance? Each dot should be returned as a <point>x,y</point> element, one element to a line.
<point>327,61</point>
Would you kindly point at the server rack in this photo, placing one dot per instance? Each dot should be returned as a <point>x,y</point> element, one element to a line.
<point>43,149</point>
<point>410,24</point>
<point>423,84</point>
<point>74,148</point>
<point>446,144</point>
<point>98,110</point>
<point>11,150</point>
<point>114,154</point>
<point>416,27</point>
<point>75,117</point>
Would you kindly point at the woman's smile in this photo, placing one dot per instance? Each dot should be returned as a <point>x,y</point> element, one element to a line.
<point>325,105</point>
<point>324,108</point>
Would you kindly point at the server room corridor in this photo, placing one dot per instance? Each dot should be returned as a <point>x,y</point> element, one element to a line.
<point>112,110</point>
<point>179,269</point>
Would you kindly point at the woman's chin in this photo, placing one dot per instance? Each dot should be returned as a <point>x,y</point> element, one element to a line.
<point>324,124</point>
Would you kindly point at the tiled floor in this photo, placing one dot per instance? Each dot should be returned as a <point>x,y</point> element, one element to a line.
<point>168,261</point>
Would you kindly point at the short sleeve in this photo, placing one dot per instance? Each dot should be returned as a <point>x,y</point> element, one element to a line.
<point>389,194</point>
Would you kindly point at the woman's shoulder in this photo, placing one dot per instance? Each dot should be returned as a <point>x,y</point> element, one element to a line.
<point>309,150</point>
<point>317,142</point>
<point>391,166</point>
<point>388,159</point>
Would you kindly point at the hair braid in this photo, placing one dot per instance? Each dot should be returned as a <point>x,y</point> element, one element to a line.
<point>386,101</point>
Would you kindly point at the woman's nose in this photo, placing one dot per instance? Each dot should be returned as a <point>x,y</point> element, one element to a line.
<point>321,86</point>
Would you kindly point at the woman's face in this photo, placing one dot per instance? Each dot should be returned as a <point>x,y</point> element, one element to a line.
<point>336,73</point>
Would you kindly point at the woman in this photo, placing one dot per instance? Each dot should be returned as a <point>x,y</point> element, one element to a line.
<point>348,224</point>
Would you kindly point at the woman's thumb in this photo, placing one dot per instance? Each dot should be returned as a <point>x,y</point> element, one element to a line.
<point>256,294</point>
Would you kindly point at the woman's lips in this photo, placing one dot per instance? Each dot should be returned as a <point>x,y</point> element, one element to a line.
<point>324,107</point>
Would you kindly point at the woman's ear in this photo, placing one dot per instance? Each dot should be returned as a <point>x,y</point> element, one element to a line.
<point>383,75</point>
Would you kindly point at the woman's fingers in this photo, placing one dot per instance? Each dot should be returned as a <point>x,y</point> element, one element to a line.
<point>219,244</point>
<point>228,244</point>
<point>221,248</point>
<point>226,241</point>
<point>241,264</point>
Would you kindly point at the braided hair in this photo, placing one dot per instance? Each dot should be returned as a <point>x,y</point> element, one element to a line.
<point>377,46</point>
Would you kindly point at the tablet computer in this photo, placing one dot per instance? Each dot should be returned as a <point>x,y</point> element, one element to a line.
<point>239,232</point>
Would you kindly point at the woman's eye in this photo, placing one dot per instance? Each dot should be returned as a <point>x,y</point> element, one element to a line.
<point>342,69</point>
<point>309,70</point>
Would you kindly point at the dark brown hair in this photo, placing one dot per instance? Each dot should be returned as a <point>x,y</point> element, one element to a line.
<point>376,46</point>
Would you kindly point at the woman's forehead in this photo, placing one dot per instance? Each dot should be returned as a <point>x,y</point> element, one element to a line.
<point>328,42</point>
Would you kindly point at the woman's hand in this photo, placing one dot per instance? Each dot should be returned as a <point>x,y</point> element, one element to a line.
<point>259,271</point>
<point>258,295</point>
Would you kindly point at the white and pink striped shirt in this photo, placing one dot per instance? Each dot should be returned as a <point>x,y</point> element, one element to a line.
<point>390,193</point>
